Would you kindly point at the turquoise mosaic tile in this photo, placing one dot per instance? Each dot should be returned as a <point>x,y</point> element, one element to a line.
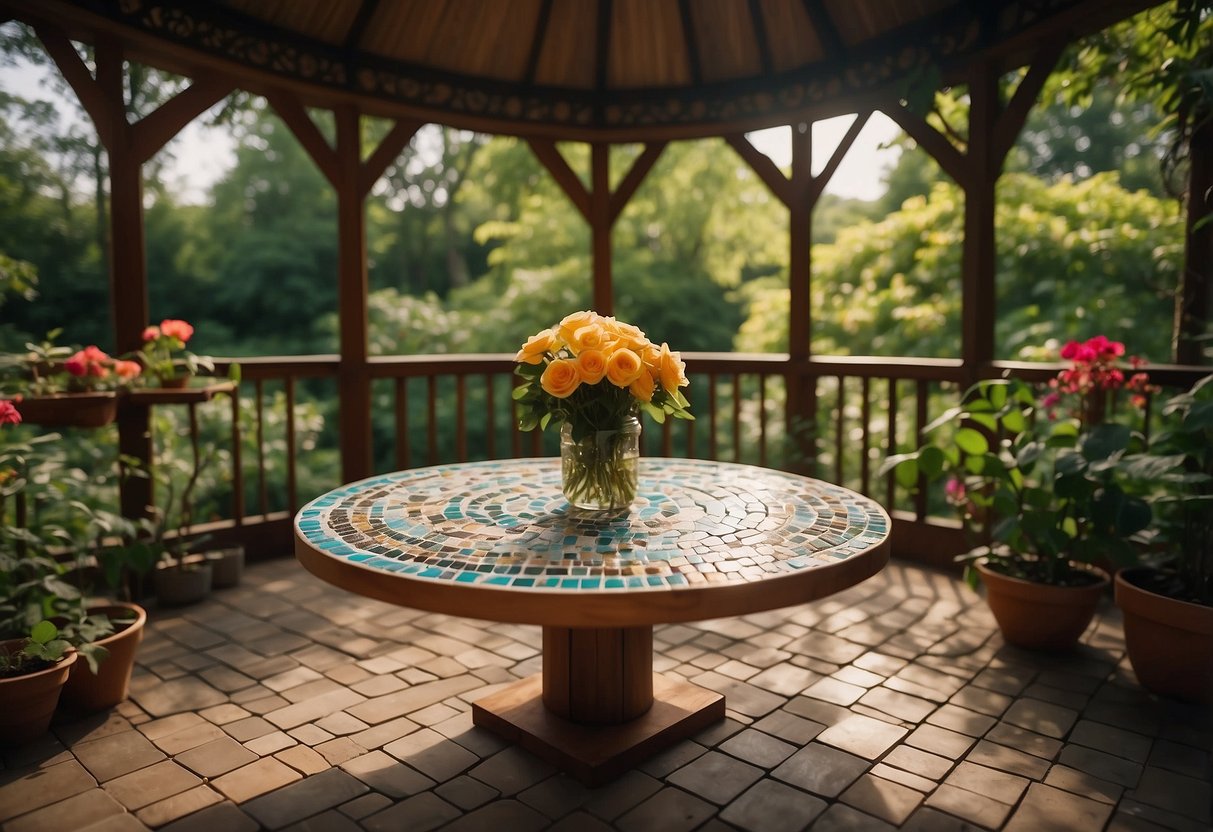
<point>505,524</point>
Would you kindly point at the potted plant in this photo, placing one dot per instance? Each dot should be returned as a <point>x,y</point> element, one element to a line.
<point>1168,603</point>
<point>1043,487</point>
<point>58,386</point>
<point>32,674</point>
<point>165,357</point>
<point>181,578</point>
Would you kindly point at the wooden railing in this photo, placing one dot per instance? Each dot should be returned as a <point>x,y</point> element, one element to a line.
<point>453,408</point>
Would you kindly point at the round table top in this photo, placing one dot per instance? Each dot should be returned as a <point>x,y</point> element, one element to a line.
<point>497,540</point>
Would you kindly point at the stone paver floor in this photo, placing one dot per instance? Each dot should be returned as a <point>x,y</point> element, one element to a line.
<point>288,704</point>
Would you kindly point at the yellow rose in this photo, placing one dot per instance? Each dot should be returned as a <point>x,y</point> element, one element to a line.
<point>532,351</point>
<point>627,336</point>
<point>571,323</point>
<point>643,387</point>
<point>560,378</point>
<point>589,337</point>
<point>623,366</point>
<point>670,369</point>
<point>591,366</point>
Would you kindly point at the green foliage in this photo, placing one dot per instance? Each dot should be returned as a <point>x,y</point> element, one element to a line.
<point>1040,493</point>
<point>40,649</point>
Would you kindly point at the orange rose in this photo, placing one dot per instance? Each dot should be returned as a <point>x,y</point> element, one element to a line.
<point>591,366</point>
<point>627,336</point>
<point>571,323</point>
<point>642,388</point>
<point>532,351</point>
<point>671,369</point>
<point>560,378</point>
<point>589,337</point>
<point>623,367</point>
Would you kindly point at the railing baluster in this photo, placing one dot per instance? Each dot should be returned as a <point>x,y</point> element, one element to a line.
<point>262,493</point>
<point>865,428</point>
<point>840,401</point>
<point>762,419</point>
<point>490,428</point>
<point>712,428</point>
<point>891,444</point>
<point>921,394</point>
<point>737,417</point>
<point>403,449</point>
<point>461,426</point>
<point>237,463</point>
<point>292,494</point>
<point>431,429</point>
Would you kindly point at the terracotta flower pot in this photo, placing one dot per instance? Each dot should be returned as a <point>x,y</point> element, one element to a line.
<point>227,566</point>
<point>1170,642</point>
<point>112,681</point>
<point>82,410</point>
<point>1041,616</point>
<point>28,702</point>
<point>183,584</point>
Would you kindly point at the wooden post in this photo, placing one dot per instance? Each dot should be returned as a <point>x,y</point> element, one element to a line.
<point>354,386</point>
<point>978,256</point>
<point>598,676</point>
<point>801,416</point>
<point>600,226</point>
<point>1192,304</point>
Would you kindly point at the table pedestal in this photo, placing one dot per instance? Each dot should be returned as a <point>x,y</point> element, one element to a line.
<point>597,709</point>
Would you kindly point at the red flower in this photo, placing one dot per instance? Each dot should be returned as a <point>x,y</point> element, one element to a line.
<point>127,369</point>
<point>151,333</point>
<point>9,414</point>
<point>173,328</point>
<point>90,361</point>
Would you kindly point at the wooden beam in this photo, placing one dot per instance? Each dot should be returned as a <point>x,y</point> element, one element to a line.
<point>354,417</point>
<point>762,165</point>
<point>158,128</point>
<point>387,152</point>
<point>978,256</point>
<point>551,158</point>
<point>825,29</point>
<point>1011,120</point>
<point>952,161</point>
<point>292,113</point>
<point>636,174</point>
<point>694,62</point>
<point>78,77</point>
<point>819,182</point>
<point>760,37</point>
<point>800,239</point>
<point>602,58</point>
<point>537,39</point>
<point>600,226</point>
<point>1194,299</point>
<point>366,10</point>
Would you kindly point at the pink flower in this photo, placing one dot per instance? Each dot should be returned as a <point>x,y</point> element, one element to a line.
<point>151,333</point>
<point>9,415</point>
<point>90,361</point>
<point>1074,351</point>
<point>1100,345</point>
<point>173,328</point>
<point>127,369</point>
<point>955,491</point>
<point>1050,399</point>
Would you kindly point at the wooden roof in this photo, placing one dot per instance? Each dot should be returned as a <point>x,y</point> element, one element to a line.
<point>597,69</point>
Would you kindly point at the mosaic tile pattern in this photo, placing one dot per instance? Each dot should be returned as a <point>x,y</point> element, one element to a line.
<point>505,524</point>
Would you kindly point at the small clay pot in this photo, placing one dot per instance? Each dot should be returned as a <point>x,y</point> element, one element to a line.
<point>183,583</point>
<point>1042,616</point>
<point>28,702</point>
<point>1170,642</point>
<point>111,684</point>
<point>227,566</point>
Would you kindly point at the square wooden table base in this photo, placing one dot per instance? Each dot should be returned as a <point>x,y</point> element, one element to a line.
<point>596,754</point>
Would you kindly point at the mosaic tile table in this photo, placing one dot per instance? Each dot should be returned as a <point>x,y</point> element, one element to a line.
<point>496,540</point>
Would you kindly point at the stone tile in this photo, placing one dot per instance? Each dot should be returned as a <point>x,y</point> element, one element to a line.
<point>255,779</point>
<point>216,757</point>
<point>1104,766</point>
<point>148,785</point>
<point>1056,696</point>
<point>862,735</point>
<point>997,756</point>
<point>834,690</point>
<point>303,759</point>
<point>771,806</point>
<point>826,647</point>
<point>192,806</point>
<point>432,754</point>
<point>785,679</point>
<point>612,800</point>
<point>188,738</point>
<point>823,712</point>
<point>420,813</point>
<point>316,708</point>
<point>380,735</point>
<point>512,770</point>
<point>336,751</point>
<point>177,695</point>
<point>1024,740</point>
<point>821,769</point>
<point>1127,744</point>
<point>857,676</point>
<point>116,823</point>
<point>905,778</point>
<point>880,663</point>
<point>786,726</point>
<point>976,808</point>
<point>897,704</point>
<point>243,730</point>
<point>158,728</point>
<point>223,714</point>
<point>1003,787</point>
<point>1046,809</point>
<point>75,812</point>
<point>270,743</point>
<point>21,793</point>
<point>717,732</point>
<point>1153,814</point>
<point>927,819</point>
<point>741,697</point>
<point>480,742</point>
<point>1182,759</point>
<point>117,754</point>
<point>466,792</point>
<point>401,703</point>
<point>716,777</point>
<point>341,724</point>
<point>1041,717</point>
<point>579,822</point>
<point>221,815</point>
<point>1081,783</point>
<point>368,804</point>
<point>758,748</point>
<point>304,798</point>
<point>670,810</point>
<point>961,720</point>
<point>502,814</point>
<point>915,760</point>
<point>884,799</point>
<point>309,735</point>
<point>940,741</point>
<point>674,757</point>
<point>386,774</point>
<point>982,700</point>
<point>843,818</point>
<point>1176,793</point>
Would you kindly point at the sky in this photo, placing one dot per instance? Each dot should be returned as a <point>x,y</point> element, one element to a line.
<point>203,154</point>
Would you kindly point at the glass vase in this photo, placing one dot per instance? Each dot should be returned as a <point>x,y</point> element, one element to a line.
<point>598,471</point>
